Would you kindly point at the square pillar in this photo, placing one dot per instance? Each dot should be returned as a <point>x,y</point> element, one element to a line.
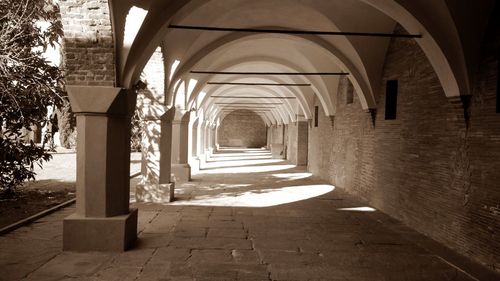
<point>180,146</point>
<point>202,146</point>
<point>302,142</point>
<point>103,220</point>
<point>156,185</point>
<point>277,144</point>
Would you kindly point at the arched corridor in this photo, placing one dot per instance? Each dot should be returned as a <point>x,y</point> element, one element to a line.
<point>316,136</point>
<point>247,216</point>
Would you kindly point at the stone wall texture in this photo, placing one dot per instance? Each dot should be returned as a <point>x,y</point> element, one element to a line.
<point>88,46</point>
<point>427,168</point>
<point>242,128</point>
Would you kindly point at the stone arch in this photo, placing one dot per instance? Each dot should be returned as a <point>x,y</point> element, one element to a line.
<point>440,40</point>
<point>304,103</point>
<point>362,86</point>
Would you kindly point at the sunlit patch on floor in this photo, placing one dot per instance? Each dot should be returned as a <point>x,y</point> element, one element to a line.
<point>224,186</point>
<point>261,197</point>
<point>247,169</point>
<point>358,209</point>
<point>292,176</point>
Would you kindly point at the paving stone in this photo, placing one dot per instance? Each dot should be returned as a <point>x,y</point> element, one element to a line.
<point>224,224</point>
<point>245,256</point>
<point>70,264</point>
<point>144,219</point>
<point>164,254</point>
<point>199,257</point>
<point>155,272</point>
<point>133,257</point>
<point>212,243</point>
<point>303,240</point>
<point>161,223</point>
<point>148,240</point>
<point>117,273</point>
<point>227,233</point>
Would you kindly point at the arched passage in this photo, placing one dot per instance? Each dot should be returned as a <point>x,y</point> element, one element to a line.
<point>368,154</point>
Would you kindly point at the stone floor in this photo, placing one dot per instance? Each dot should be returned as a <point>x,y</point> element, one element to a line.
<point>244,217</point>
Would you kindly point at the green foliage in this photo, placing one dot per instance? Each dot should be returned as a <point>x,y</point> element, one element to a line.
<point>67,125</point>
<point>28,84</point>
<point>136,132</point>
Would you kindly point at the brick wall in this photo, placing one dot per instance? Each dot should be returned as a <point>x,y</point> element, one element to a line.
<point>242,128</point>
<point>88,47</point>
<point>426,168</point>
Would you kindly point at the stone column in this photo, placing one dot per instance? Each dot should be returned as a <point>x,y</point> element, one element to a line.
<point>156,186</point>
<point>268,137</point>
<point>201,142</point>
<point>206,138</point>
<point>277,145</point>
<point>193,157</point>
<point>194,137</point>
<point>302,142</point>
<point>180,134</point>
<point>103,220</point>
<point>216,136</point>
<point>212,138</point>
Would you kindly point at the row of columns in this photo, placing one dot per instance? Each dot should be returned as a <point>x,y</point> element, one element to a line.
<point>289,141</point>
<point>103,220</point>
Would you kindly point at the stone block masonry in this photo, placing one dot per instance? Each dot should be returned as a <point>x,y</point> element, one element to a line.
<point>428,168</point>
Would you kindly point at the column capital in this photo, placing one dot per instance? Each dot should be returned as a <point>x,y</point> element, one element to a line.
<point>182,116</point>
<point>101,100</point>
<point>169,114</point>
<point>302,118</point>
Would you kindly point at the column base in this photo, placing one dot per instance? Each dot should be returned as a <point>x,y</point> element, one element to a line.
<point>202,161</point>
<point>194,163</point>
<point>277,151</point>
<point>111,234</point>
<point>155,193</point>
<point>182,172</point>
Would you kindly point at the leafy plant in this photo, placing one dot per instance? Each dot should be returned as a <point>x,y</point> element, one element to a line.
<point>67,126</point>
<point>28,84</point>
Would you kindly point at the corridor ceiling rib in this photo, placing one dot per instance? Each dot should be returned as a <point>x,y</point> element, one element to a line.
<point>302,32</point>
<point>250,97</point>
<point>240,106</point>
<point>443,30</point>
<point>260,84</point>
<point>270,73</point>
<point>248,103</point>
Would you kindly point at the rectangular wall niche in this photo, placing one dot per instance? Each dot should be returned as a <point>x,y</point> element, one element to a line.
<point>349,93</point>
<point>391,99</point>
<point>316,117</point>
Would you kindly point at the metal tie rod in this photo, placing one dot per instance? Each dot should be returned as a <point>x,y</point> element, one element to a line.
<point>270,73</point>
<point>284,31</point>
<point>260,84</point>
<point>249,97</point>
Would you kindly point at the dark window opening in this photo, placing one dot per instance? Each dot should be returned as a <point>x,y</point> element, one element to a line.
<point>349,93</point>
<point>391,99</point>
<point>498,85</point>
<point>316,117</point>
